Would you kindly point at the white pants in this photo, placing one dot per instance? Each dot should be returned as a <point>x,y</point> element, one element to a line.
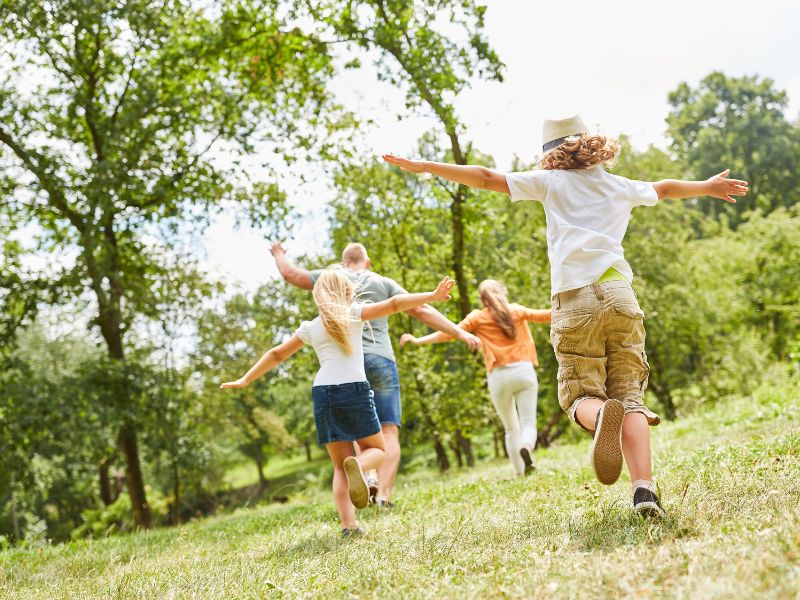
<point>513,389</point>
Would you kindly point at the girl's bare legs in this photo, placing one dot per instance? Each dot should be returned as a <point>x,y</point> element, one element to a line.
<point>371,451</point>
<point>635,437</point>
<point>387,472</point>
<point>338,451</point>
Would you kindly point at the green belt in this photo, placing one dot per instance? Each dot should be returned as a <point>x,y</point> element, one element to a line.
<point>612,275</point>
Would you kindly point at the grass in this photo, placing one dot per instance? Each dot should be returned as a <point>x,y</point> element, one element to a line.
<point>730,480</point>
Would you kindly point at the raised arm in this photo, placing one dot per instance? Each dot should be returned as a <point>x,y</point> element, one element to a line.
<point>293,274</point>
<point>403,302</point>
<point>271,359</point>
<point>436,320</point>
<point>718,186</point>
<point>471,175</point>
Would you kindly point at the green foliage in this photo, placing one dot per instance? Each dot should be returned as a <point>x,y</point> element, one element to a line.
<point>738,123</point>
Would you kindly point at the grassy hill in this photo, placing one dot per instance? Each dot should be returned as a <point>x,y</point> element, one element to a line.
<point>730,480</point>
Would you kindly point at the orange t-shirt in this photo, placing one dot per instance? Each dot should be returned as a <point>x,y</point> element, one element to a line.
<point>498,350</point>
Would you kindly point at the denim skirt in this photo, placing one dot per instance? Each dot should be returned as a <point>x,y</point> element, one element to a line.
<point>344,412</point>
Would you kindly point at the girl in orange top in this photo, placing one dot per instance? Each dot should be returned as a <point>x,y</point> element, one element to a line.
<point>510,356</point>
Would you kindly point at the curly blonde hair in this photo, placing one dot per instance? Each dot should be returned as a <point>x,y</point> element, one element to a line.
<point>581,152</point>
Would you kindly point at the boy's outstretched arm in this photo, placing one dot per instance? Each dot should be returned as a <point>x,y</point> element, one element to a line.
<point>718,186</point>
<point>436,320</point>
<point>471,175</point>
<point>271,359</point>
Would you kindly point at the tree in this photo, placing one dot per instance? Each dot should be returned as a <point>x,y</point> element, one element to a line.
<point>433,66</point>
<point>738,123</point>
<point>108,145</point>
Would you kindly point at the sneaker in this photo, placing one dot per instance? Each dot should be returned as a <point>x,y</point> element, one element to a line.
<point>353,532</point>
<point>359,492</point>
<point>645,503</point>
<point>372,484</point>
<point>607,444</point>
<point>526,458</point>
<point>384,504</point>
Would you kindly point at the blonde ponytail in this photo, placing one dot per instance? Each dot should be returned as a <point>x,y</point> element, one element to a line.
<point>495,297</point>
<point>334,294</point>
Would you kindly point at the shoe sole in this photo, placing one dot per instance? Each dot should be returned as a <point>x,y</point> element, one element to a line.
<point>650,510</point>
<point>359,492</point>
<point>526,458</point>
<point>607,444</point>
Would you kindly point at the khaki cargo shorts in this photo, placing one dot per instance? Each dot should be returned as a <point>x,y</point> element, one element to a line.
<point>597,332</point>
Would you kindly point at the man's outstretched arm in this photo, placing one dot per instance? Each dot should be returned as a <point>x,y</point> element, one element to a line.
<point>435,320</point>
<point>297,276</point>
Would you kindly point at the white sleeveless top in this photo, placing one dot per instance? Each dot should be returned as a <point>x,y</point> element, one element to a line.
<point>335,367</point>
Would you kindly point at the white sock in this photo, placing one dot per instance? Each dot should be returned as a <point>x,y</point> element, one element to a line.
<point>645,483</point>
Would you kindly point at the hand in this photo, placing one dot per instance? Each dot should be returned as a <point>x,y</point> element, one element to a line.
<point>412,166</point>
<point>407,338</point>
<point>723,188</point>
<point>442,291</point>
<point>277,249</point>
<point>473,342</point>
<point>239,383</point>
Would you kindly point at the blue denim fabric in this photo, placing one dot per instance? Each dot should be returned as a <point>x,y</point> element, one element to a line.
<point>344,412</point>
<point>385,382</point>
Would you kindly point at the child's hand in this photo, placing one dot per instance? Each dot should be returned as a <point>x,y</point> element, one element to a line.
<point>723,188</point>
<point>412,166</point>
<point>442,291</point>
<point>407,338</point>
<point>239,383</point>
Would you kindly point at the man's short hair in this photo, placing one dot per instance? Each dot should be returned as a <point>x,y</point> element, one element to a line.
<point>354,253</point>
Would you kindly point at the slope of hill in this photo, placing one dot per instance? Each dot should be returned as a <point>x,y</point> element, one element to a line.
<point>730,480</point>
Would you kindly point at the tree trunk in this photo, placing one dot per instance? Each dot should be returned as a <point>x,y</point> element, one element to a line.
<point>495,444</point>
<point>665,397</point>
<point>262,481</point>
<point>546,436</point>
<point>308,450</point>
<point>129,445</point>
<point>441,456</point>
<point>465,445</point>
<point>457,451</point>
<point>14,517</point>
<point>106,494</point>
<point>176,495</point>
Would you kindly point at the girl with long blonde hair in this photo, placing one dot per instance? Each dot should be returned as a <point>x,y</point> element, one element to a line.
<point>344,410</point>
<point>510,356</point>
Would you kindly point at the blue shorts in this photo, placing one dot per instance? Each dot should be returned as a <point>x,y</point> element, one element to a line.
<point>385,382</point>
<point>344,412</point>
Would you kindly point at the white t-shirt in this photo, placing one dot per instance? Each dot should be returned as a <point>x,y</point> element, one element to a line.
<point>335,366</point>
<point>587,214</point>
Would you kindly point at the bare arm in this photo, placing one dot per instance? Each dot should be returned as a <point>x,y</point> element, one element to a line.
<point>271,359</point>
<point>403,302</point>
<point>718,186</point>
<point>431,338</point>
<point>471,175</point>
<point>293,274</point>
<point>436,320</point>
<point>534,315</point>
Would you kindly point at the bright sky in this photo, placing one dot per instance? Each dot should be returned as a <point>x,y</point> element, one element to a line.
<point>612,62</point>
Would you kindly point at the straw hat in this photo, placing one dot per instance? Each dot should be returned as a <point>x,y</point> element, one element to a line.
<point>555,133</point>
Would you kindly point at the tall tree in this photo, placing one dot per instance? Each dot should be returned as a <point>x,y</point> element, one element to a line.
<point>433,63</point>
<point>111,113</point>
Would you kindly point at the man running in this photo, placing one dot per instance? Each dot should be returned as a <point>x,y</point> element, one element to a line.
<point>379,361</point>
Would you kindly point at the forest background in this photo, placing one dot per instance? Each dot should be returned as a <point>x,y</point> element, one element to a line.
<point>130,130</point>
